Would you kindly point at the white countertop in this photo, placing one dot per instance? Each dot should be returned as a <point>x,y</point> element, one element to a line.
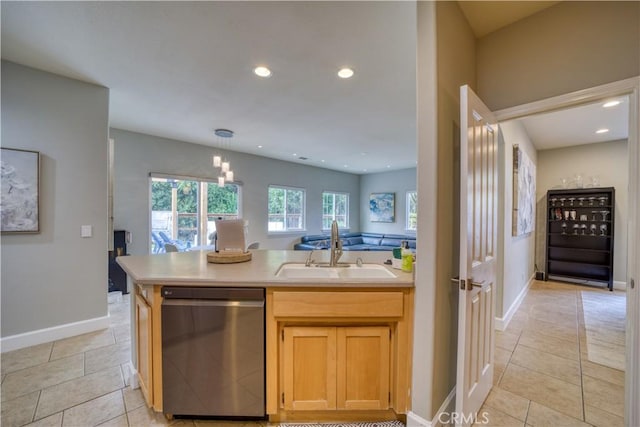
<point>191,268</point>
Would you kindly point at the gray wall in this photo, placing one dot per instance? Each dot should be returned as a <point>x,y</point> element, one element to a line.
<point>518,259</point>
<point>570,46</point>
<point>56,277</point>
<point>608,160</point>
<point>398,182</point>
<point>137,155</point>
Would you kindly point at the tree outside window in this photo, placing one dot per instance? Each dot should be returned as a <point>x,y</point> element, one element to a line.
<point>286,209</point>
<point>335,207</point>
<point>177,214</point>
<point>412,210</point>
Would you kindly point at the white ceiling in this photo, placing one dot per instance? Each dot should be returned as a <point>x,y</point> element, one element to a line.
<point>182,69</point>
<point>578,125</point>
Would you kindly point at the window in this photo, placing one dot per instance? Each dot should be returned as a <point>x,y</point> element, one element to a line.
<point>412,210</point>
<point>335,207</point>
<point>183,210</point>
<point>286,209</point>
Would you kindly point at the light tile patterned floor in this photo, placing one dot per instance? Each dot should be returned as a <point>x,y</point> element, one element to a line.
<point>543,376</point>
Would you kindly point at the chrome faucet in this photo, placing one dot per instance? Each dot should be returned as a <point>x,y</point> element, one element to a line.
<point>336,245</point>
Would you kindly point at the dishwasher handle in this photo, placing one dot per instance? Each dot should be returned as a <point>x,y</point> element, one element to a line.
<point>212,303</point>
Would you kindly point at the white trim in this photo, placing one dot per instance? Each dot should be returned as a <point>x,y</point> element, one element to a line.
<point>447,407</point>
<point>133,372</point>
<point>619,286</point>
<point>414,420</point>
<point>41,336</point>
<point>621,87</point>
<point>501,323</point>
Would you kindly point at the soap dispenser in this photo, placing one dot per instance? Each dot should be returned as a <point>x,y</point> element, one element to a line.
<point>407,257</point>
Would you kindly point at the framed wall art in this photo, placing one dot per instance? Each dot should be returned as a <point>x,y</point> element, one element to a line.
<point>382,207</point>
<point>20,191</point>
<point>524,193</point>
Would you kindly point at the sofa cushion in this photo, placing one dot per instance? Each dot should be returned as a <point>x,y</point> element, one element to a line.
<point>371,238</point>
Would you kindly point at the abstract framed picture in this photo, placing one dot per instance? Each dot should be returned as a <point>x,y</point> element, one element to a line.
<point>524,193</point>
<point>20,191</point>
<point>382,207</point>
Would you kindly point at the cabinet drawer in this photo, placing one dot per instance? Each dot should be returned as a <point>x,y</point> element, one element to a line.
<point>337,304</point>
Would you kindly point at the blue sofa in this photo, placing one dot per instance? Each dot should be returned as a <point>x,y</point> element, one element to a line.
<point>356,242</point>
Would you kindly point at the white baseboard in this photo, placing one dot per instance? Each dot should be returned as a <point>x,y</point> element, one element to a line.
<point>447,407</point>
<point>620,286</point>
<point>501,323</point>
<point>414,420</point>
<point>41,336</point>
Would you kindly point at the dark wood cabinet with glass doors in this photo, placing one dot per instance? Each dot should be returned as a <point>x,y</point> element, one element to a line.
<point>580,230</point>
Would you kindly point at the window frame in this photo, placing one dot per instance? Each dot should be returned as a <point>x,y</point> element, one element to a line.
<point>408,211</point>
<point>335,193</point>
<point>201,213</point>
<point>303,214</point>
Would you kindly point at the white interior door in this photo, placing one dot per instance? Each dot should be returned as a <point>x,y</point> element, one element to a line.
<point>478,225</point>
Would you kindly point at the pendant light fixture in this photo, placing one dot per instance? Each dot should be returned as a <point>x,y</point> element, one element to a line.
<point>226,174</point>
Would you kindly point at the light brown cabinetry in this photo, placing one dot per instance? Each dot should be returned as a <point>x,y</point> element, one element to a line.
<point>148,332</point>
<point>342,354</point>
<point>329,368</point>
<point>144,332</point>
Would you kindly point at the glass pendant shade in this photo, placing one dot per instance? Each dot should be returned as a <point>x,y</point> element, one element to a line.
<point>225,166</point>
<point>221,181</point>
<point>217,160</point>
<point>229,176</point>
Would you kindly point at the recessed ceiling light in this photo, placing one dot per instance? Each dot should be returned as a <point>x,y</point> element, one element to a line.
<point>259,146</point>
<point>611,104</point>
<point>322,161</point>
<point>345,73</point>
<point>262,71</point>
<point>388,166</point>
<point>603,130</point>
<point>294,154</point>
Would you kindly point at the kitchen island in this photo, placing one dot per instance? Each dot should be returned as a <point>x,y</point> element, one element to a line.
<point>337,348</point>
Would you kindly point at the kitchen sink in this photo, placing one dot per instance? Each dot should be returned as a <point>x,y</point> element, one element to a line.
<point>344,271</point>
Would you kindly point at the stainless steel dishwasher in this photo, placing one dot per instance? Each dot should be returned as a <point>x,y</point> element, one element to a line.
<point>213,361</point>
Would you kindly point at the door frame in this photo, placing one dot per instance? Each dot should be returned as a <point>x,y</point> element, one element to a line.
<point>630,87</point>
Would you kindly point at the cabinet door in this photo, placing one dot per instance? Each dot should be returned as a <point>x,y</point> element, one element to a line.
<point>309,368</point>
<point>144,335</point>
<point>363,367</point>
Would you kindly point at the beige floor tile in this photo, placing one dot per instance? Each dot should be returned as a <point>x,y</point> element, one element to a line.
<point>81,343</point>
<point>133,398</point>
<point>508,403</point>
<point>106,357</point>
<point>506,340</point>
<point>38,377</point>
<point>547,363</point>
<point>488,416</point>
<point>122,332</point>
<point>604,395</point>
<point>96,411</point>
<point>25,358</point>
<point>54,420</point>
<point>562,348</point>
<point>540,415</point>
<point>120,421</point>
<point>77,391</point>
<point>144,416</point>
<point>599,418</point>
<point>556,330</point>
<point>557,394</point>
<point>604,373</point>
<point>19,411</point>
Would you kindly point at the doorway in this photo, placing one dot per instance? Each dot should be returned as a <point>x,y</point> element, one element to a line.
<point>630,88</point>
